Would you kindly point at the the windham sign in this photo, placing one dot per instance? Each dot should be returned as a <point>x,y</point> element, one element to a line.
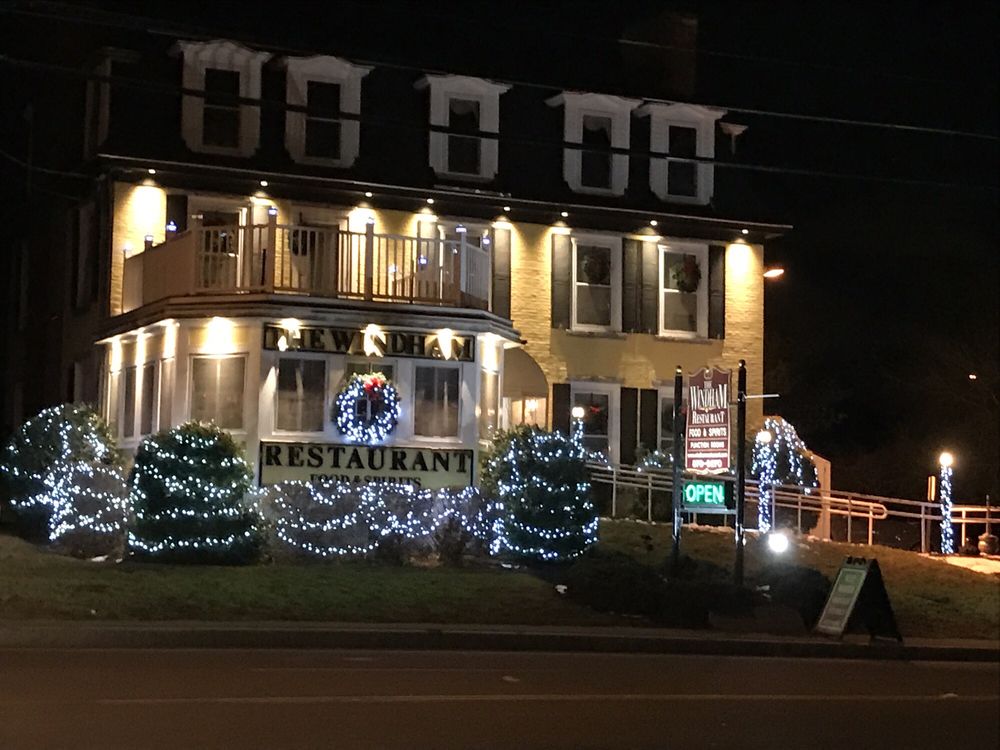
<point>708,426</point>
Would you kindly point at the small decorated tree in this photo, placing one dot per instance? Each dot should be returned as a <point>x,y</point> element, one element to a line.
<point>540,481</point>
<point>780,457</point>
<point>60,435</point>
<point>189,490</point>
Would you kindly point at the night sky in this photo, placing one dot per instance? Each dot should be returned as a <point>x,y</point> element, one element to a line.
<point>890,297</point>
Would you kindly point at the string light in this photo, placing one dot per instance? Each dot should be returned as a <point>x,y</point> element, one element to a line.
<point>381,402</point>
<point>947,531</point>
<point>779,457</point>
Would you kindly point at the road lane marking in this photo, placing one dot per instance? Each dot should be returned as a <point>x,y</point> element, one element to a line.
<point>543,698</point>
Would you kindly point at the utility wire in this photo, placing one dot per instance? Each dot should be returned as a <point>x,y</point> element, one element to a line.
<point>147,26</point>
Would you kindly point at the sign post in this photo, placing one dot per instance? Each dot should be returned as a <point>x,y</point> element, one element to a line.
<point>675,552</point>
<point>741,467</point>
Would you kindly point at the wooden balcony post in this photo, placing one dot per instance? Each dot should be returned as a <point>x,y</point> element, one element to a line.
<point>463,267</point>
<point>270,245</point>
<point>369,258</point>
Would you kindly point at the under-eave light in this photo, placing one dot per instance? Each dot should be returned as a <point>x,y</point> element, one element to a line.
<point>368,194</point>
<point>564,214</point>
<point>506,209</point>
<point>150,171</point>
<point>744,231</point>
<point>430,201</point>
<point>773,273</point>
<point>263,183</point>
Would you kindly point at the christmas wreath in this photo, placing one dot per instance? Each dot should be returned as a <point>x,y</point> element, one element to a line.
<point>686,274</point>
<point>367,408</point>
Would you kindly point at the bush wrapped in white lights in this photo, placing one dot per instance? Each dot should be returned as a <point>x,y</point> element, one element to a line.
<point>339,519</point>
<point>48,442</point>
<point>90,508</point>
<point>539,480</point>
<point>189,494</point>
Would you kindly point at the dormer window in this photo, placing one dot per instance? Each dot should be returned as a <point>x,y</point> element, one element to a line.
<point>681,131</point>
<point>325,88</point>
<point>221,121</point>
<point>466,107</point>
<point>598,123</point>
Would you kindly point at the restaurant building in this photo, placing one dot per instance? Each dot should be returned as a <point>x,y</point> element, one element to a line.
<point>259,227</point>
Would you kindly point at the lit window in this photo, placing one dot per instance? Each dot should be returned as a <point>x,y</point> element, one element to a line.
<point>684,289</point>
<point>489,404</point>
<point>469,106</point>
<point>436,401</point>
<point>217,385</point>
<point>596,284</point>
<point>599,122</point>
<point>326,88</point>
<point>301,395</point>
<point>600,411</point>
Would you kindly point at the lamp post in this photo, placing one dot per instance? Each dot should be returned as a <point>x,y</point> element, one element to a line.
<point>945,461</point>
<point>767,467</point>
<point>576,431</point>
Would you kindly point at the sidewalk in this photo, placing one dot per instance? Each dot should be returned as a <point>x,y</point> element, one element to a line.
<point>428,636</point>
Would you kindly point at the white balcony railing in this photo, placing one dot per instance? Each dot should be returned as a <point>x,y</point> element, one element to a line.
<point>317,261</point>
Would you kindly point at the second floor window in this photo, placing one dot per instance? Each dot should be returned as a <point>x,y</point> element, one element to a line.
<point>596,284</point>
<point>221,110</point>
<point>684,290</point>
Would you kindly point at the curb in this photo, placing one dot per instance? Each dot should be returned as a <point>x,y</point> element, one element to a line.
<point>429,637</point>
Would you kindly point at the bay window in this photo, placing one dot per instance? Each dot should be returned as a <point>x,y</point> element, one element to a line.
<point>301,395</point>
<point>436,400</point>
<point>217,387</point>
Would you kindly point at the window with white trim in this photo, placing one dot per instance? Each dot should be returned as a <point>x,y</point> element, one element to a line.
<point>436,395</point>
<point>128,402</point>
<point>300,394</point>
<point>665,442</point>
<point>148,398</point>
<point>219,122</point>
<point>217,388</point>
<point>469,106</point>
<point>596,304</point>
<point>682,131</point>
<point>327,88</point>
<point>684,289</point>
<point>598,122</point>
<point>600,416</point>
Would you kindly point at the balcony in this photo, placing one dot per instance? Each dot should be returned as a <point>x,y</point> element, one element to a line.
<point>310,261</point>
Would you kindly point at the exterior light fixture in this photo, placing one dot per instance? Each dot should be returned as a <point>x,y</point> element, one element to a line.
<point>506,209</point>
<point>461,229</point>
<point>368,194</point>
<point>652,222</point>
<point>171,226</point>
<point>564,214</point>
<point>272,210</point>
<point>774,273</point>
<point>973,376</point>
<point>577,412</point>
<point>430,201</point>
<point>946,460</point>
<point>777,542</point>
<point>744,231</point>
<point>764,436</point>
<point>150,171</point>
<point>263,183</point>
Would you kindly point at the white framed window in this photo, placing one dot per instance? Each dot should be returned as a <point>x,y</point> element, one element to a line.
<point>327,87</point>
<point>601,410</point>
<point>218,384</point>
<point>148,397</point>
<point>300,395</point>
<point>437,400</point>
<point>684,289</point>
<point>165,407</point>
<point>365,366</point>
<point>470,106</point>
<point>218,122</point>
<point>665,438</point>
<point>128,402</point>
<point>598,122</point>
<point>682,131</point>
<point>489,403</point>
<point>597,283</point>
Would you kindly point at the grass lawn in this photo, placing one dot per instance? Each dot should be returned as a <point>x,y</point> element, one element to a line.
<point>931,599</point>
<point>35,584</point>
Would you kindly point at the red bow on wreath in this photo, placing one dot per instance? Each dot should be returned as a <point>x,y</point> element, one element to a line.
<point>373,382</point>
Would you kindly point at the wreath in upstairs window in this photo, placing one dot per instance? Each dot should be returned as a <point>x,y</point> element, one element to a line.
<point>367,409</point>
<point>686,274</point>
<point>596,268</point>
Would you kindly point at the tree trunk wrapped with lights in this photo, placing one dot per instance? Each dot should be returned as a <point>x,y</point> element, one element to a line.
<point>189,491</point>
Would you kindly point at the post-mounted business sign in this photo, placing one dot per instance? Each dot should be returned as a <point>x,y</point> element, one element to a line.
<point>708,426</point>
<point>431,468</point>
<point>701,496</point>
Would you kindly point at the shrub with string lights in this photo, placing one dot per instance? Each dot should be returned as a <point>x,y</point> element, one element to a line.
<point>90,508</point>
<point>539,480</point>
<point>780,457</point>
<point>60,435</point>
<point>189,493</point>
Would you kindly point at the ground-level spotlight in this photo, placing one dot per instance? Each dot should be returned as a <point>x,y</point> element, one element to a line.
<point>777,542</point>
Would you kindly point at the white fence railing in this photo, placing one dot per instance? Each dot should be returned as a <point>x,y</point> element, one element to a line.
<point>854,508</point>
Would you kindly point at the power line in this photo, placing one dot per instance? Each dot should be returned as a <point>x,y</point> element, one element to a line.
<point>172,89</point>
<point>145,27</point>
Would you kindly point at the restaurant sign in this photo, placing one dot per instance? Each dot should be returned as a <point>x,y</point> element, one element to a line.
<point>431,468</point>
<point>372,341</point>
<point>708,428</point>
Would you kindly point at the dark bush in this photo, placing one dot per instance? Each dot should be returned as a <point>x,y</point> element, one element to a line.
<point>615,582</point>
<point>452,542</point>
<point>803,589</point>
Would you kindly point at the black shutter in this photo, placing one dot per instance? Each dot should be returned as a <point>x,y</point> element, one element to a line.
<point>631,281</point>
<point>177,210</point>
<point>562,275</point>
<point>716,292</point>
<point>650,294</point>
<point>649,418</point>
<point>501,272</point>
<point>628,424</point>
<point>560,407</point>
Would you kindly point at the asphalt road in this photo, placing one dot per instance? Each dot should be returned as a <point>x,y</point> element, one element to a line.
<point>240,699</point>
